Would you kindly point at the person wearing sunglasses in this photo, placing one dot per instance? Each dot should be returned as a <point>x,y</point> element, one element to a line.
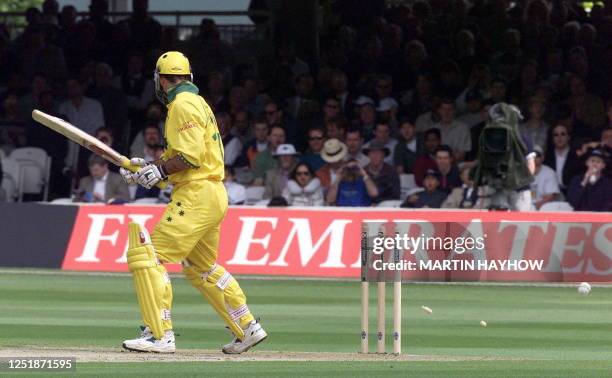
<point>303,188</point>
<point>312,157</point>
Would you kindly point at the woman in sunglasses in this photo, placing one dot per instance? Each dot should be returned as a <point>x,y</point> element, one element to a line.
<point>303,188</point>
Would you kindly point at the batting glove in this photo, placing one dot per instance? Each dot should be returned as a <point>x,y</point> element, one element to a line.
<point>150,175</point>
<point>128,176</point>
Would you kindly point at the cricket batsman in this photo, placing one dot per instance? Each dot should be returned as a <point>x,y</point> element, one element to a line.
<point>188,232</point>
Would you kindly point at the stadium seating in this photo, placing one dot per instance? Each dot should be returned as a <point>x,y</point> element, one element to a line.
<point>12,181</point>
<point>390,203</point>
<point>556,206</point>
<point>407,183</point>
<point>35,167</point>
<point>254,194</point>
<point>62,201</point>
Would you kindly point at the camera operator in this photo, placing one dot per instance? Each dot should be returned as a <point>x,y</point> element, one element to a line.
<point>504,171</point>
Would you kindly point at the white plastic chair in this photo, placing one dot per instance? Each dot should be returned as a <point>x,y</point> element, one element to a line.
<point>416,190</point>
<point>62,201</point>
<point>13,179</point>
<point>390,203</point>
<point>146,201</point>
<point>556,206</point>
<point>36,169</point>
<point>407,183</point>
<point>254,194</point>
<point>262,203</point>
<point>10,188</point>
<point>132,190</point>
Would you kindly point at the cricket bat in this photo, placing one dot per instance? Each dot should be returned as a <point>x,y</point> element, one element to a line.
<point>88,141</point>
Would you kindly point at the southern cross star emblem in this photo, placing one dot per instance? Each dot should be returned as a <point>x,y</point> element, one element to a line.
<point>181,213</point>
<point>169,219</point>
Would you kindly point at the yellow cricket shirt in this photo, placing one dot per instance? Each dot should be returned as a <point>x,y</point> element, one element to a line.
<point>191,132</point>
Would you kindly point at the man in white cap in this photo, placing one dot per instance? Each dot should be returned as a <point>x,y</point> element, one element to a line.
<point>276,179</point>
<point>545,187</point>
<point>387,111</point>
<point>334,152</point>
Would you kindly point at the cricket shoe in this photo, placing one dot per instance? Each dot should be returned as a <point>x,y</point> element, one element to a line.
<point>147,343</point>
<point>253,335</point>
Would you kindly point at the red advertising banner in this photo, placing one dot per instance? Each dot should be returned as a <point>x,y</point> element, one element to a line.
<point>325,242</point>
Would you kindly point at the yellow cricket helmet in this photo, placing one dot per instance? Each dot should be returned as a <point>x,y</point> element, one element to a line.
<point>170,63</point>
<point>173,63</point>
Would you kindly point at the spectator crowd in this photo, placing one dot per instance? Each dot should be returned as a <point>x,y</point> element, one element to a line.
<point>390,110</point>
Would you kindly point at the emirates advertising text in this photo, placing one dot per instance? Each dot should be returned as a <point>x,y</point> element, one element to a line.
<point>329,242</point>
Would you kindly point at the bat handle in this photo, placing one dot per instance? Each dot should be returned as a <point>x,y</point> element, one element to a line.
<point>125,163</point>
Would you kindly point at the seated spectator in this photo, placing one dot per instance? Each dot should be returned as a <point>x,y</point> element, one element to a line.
<point>102,185</point>
<point>256,145</point>
<point>83,112</point>
<point>152,139</point>
<point>448,174</point>
<point>264,161</point>
<point>232,146</point>
<point>333,153</point>
<point>454,133</point>
<point>137,85</point>
<point>339,85</point>
<point>464,197</point>
<point>591,192</point>
<point>387,112</point>
<point>427,160</point>
<point>31,100</point>
<point>535,129</point>
<point>331,110</point>
<point>255,100</point>
<point>432,197</point>
<point>113,101</point>
<point>545,187</point>
<point>303,105</point>
<point>474,104</point>
<point>276,178</point>
<point>354,143</point>
<point>382,135</point>
<point>405,152</point>
<point>336,128</point>
<point>12,125</point>
<point>240,127</point>
<point>312,157</point>
<point>236,193</point>
<point>303,189</point>
<point>353,187</point>
<point>276,117</point>
<point>560,157</point>
<point>428,119</point>
<point>384,175</point>
<point>366,114</point>
<point>154,116</point>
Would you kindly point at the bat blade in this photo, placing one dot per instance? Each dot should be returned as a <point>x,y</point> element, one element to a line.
<point>80,137</point>
<point>88,141</point>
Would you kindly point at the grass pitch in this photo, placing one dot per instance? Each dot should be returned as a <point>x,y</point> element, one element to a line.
<point>314,328</point>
